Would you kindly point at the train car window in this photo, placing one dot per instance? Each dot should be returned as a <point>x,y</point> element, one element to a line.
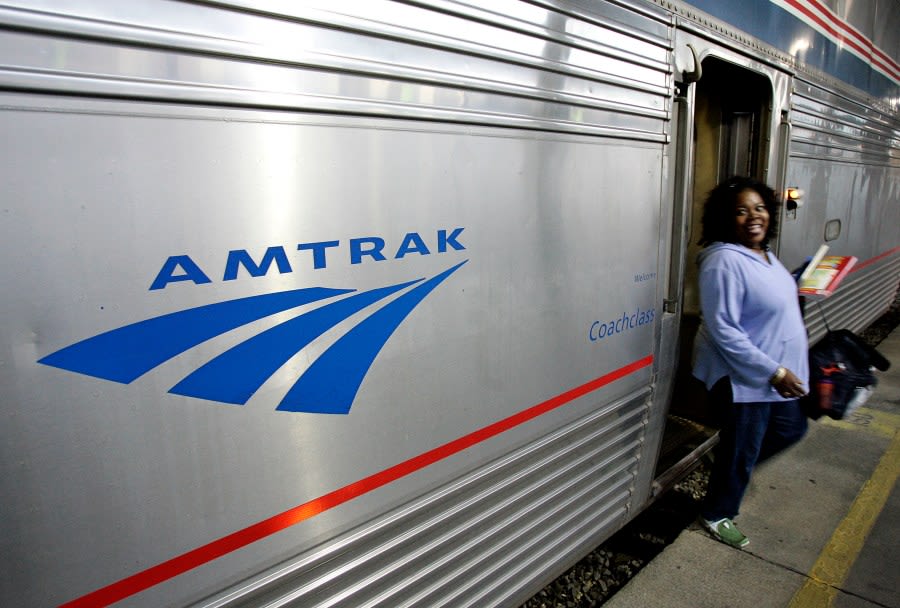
<point>832,229</point>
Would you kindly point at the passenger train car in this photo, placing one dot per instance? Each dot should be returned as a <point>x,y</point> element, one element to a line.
<point>380,303</point>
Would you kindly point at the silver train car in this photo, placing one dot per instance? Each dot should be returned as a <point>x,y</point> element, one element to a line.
<point>380,303</point>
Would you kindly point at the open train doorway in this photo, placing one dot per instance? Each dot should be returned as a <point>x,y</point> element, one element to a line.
<point>732,113</point>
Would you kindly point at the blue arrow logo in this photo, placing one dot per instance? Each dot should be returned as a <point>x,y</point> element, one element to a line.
<point>328,386</point>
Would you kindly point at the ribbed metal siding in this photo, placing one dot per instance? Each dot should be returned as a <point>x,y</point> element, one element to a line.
<point>484,540</point>
<point>830,126</point>
<point>860,299</point>
<point>568,67</point>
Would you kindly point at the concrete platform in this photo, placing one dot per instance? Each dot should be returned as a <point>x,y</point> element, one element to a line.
<point>823,521</point>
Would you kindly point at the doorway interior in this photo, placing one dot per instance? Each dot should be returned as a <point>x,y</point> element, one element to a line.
<point>732,116</point>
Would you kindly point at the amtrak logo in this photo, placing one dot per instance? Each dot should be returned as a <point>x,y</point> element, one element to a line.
<point>328,386</point>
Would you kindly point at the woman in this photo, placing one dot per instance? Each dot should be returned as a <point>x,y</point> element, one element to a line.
<point>751,349</point>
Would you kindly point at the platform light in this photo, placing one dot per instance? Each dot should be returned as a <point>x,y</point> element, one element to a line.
<point>793,198</point>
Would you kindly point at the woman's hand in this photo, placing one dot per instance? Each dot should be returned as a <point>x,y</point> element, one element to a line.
<point>790,385</point>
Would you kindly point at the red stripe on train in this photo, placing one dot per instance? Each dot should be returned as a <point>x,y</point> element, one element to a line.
<point>877,258</point>
<point>848,35</point>
<point>155,575</point>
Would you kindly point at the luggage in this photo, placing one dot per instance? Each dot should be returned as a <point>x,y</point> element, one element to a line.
<point>841,375</point>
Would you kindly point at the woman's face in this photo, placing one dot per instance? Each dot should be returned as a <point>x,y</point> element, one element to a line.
<point>751,219</point>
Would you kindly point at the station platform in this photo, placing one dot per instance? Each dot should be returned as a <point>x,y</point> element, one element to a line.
<point>823,520</point>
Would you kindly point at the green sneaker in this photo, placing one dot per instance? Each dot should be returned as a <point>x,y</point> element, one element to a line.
<point>725,531</point>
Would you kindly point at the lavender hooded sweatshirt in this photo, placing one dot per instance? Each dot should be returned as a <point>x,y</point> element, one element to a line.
<point>751,325</point>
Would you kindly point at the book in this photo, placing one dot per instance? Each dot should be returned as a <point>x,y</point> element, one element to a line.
<point>824,273</point>
<point>812,262</point>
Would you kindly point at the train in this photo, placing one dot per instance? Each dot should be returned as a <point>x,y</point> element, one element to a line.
<point>359,303</point>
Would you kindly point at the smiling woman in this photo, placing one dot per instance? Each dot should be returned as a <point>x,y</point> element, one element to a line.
<point>751,219</point>
<point>751,347</point>
<point>737,211</point>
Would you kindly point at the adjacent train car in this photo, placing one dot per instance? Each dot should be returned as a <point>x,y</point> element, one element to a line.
<point>380,303</point>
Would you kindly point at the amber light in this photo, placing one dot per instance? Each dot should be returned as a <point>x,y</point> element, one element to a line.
<point>793,198</point>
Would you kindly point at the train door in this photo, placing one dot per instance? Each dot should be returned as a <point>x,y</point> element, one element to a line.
<point>732,107</point>
<point>723,127</point>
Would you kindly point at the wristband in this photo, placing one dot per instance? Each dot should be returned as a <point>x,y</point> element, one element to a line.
<point>780,373</point>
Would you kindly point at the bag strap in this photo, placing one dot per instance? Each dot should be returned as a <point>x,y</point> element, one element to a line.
<point>822,312</point>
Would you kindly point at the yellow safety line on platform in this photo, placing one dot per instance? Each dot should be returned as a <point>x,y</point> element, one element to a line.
<point>835,561</point>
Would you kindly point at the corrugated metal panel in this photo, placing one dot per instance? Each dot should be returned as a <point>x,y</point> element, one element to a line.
<point>485,539</point>
<point>828,125</point>
<point>861,298</point>
<point>569,67</point>
<point>848,151</point>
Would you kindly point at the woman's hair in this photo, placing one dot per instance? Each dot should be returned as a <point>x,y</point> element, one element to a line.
<point>719,210</point>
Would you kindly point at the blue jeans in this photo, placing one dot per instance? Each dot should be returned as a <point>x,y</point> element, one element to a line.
<point>749,434</point>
